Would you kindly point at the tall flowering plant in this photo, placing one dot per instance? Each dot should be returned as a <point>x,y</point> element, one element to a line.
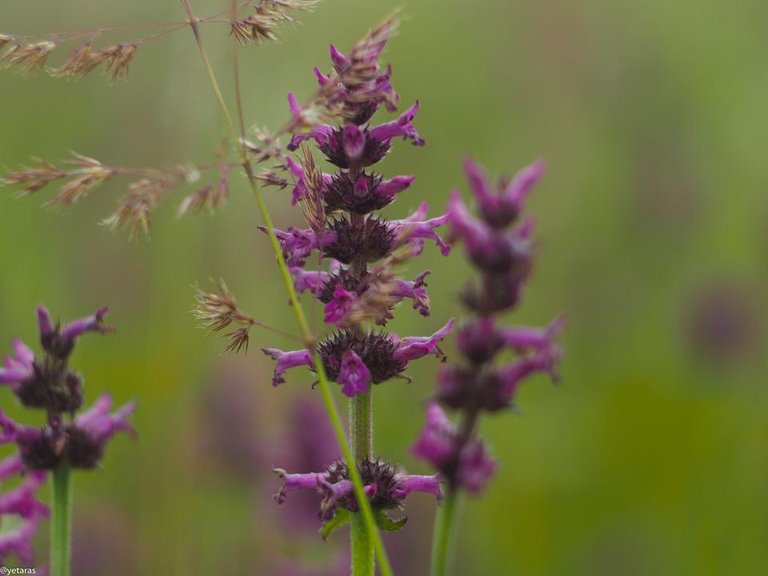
<point>71,438</point>
<point>360,252</point>
<point>500,248</point>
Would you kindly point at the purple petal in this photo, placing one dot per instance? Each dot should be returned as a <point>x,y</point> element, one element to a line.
<point>339,308</point>
<point>44,321</point>
<point>403,126</point>
<point>306,280</point>
<point>354,375</point>
<point>286,361</point>
<point>426,484</point>
<point>93,323</point>
<point>437,442</point>
<point>521,185</point>
<point>414,347</point>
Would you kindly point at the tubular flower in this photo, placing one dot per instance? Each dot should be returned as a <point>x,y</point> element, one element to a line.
<point>46,382</point>
<point>386,486</point>
<point>501,250</point>
<point>360,252</point>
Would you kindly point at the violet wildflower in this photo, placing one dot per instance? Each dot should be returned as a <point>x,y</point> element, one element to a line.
<point>500,248</point>
<point>69,439</point>
<point>359,252</point>
<point>361,248</point>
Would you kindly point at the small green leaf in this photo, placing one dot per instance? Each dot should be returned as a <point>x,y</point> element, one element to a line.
<point>388,524</point>
<point>340,519</point>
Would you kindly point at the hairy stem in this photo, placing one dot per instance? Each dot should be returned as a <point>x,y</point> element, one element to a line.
<point>361,435</point>
<point>333,413</point>
<point>442,535</point>
<point>61,521</point>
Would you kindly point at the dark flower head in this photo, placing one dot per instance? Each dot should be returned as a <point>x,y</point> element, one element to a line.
<point>369,192</point>
<point>373,241</point>
<point>375,356</point>
<point>385,485</point>
<point>81,442</point>
<point>500,207</point>
<point>463,464</point>
<point>47,382</point>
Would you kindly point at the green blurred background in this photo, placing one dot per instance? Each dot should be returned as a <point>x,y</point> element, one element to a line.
<point>649,459</point>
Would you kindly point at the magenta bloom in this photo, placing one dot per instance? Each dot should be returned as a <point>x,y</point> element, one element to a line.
<point>355,360</point>
<point>465,464</point>
<point>501,252</point>
<point>385,485</point>
<point>46,382</point>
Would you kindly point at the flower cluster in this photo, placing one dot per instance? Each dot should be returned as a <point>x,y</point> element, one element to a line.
<point>361,249</point>
<point>385,485</point>
<point>75,439</point>
<point>359,286</point>
<point>502,254</point>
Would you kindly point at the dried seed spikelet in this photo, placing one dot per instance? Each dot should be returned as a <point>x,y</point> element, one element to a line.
<point>5,39</point>
<point>28,57</point>
<point>118,58</point>
<point>135,208</point>
<point>362,66</point>
<point>264,146</point>
<point>218,310</point>
<point>90,174</point>
<point>273,177</point>
<point>263,23</point>
<point>33,179</point>
<point>312,203</point>
<point>378,300</point>
<point>210,197</point>
<point>80,63</point>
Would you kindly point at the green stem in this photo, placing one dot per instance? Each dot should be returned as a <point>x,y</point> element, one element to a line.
<point>442,536</point>
<point>61,521</point>
<point>333,413</point>
<point>361,437</point>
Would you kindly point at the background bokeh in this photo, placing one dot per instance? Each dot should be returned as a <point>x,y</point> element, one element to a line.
<point>649,459</point>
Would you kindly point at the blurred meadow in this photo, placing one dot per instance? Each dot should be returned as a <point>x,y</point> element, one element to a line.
<point>649,459</point>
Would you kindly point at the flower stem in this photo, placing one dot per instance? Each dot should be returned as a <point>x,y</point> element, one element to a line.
<point>333,414</point>
<point>61,520</point>
<point>361,437</point>
<point>442,536</point>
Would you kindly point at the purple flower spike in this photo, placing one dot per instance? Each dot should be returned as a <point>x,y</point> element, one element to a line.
<point>415,347</point>
<point>93,323</point>
<point>354,376</point>
<point>286,361</point>
<point>403,126</point>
